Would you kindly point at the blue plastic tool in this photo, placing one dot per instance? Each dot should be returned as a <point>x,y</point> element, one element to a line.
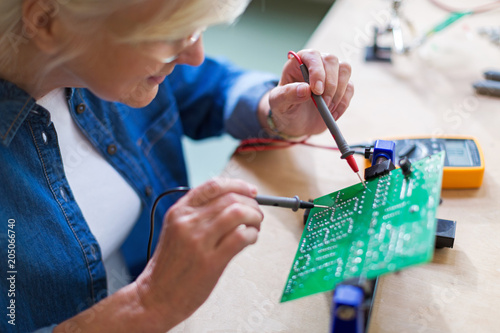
<point>384,149</point>
<point>347,316</point>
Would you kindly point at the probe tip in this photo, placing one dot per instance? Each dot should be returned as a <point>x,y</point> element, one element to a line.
<point>362,181</point>
<point>320,206</point>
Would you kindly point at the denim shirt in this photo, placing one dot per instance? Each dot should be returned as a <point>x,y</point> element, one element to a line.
<point>51,266</point>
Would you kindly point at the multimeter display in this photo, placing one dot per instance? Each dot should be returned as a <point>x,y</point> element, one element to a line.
<point>459,152</point>
<point>464,163</point>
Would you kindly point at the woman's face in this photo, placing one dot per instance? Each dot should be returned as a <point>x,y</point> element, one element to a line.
<point>128,73</point>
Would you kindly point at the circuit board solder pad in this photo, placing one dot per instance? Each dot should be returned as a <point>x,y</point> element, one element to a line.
<point>368,232</point>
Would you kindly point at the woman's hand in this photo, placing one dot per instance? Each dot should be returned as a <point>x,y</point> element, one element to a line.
<point>201,233</point>
<point>294,113</point>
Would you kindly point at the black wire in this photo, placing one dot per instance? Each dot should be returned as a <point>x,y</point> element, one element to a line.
<point>362,145</point>
<point>186,189</point>
<point>153,209</point>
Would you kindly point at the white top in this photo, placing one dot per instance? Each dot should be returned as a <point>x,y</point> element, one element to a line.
<point>108,203</point>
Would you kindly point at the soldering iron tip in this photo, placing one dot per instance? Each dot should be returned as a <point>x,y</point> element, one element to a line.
<point>362,181</point>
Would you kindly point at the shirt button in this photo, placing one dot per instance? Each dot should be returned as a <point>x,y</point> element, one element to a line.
<point>80,108</point>
<point>45,138</point>
<point>94,251</point>
<point>149,191</point>
<point>63,194</point>
<point>112,149</point>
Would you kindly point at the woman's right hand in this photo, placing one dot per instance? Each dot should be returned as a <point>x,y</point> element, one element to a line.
<point>201,233</point>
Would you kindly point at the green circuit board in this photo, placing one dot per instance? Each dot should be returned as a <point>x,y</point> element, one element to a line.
<point>368,232</point>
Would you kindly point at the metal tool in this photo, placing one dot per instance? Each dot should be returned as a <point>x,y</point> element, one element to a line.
<point>490,86</point>
<point>396,26</point>
<point>293,203</point>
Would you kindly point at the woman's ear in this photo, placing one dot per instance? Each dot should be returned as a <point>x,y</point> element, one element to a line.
<point>41,24</point>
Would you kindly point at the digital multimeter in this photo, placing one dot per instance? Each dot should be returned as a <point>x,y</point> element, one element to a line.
<point>464,161</point>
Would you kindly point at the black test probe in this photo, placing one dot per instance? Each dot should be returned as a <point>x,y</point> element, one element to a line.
<point>267,200</point>
<point>293,203</point>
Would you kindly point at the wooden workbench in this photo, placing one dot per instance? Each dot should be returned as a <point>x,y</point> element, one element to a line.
<point>427,92</point>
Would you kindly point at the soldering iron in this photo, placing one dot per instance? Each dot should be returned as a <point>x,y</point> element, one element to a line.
<point>347,152</point>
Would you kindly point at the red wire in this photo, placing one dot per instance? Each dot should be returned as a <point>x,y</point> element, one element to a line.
<point>296,56</point>
<point>267,144</point>
<point>475,10</point>
<point>293,54</point>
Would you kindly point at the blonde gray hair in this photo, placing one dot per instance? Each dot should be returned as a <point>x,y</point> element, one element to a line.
<point>172,19</point>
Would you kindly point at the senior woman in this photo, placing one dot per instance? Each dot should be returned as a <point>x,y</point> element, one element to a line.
<point>95,96</point>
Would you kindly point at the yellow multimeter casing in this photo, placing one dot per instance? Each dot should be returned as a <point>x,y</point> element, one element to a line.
<point>464,161</point>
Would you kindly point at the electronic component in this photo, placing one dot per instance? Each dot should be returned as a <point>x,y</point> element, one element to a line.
<point>464,161</point>
<point>463,164</point>
<point>370,231</point>
<point>445,233</point>
<point>405,166</point>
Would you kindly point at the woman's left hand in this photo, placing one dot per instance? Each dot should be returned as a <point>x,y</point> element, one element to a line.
<point>293,111</point>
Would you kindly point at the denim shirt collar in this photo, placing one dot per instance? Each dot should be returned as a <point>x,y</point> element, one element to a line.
<point>15,106</point>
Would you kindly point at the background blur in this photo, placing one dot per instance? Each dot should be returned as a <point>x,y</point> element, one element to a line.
<point>259,40</point>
